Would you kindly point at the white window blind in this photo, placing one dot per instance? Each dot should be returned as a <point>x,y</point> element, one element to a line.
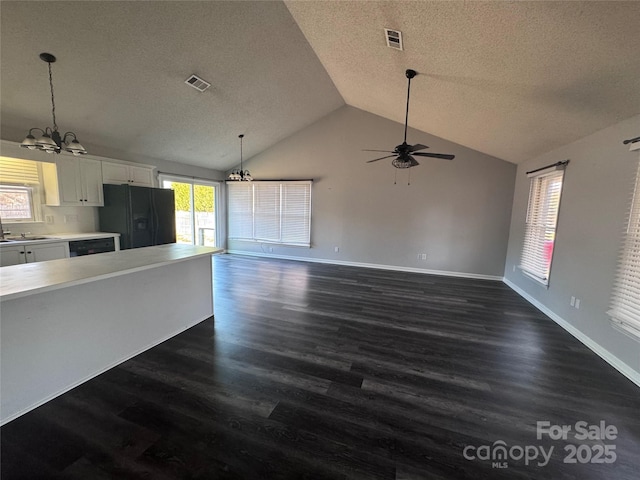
<point>542,216</point>
<point>267,204</point>
<point>625,300</point>
<point>240,210</point>
<point>296,213</point>
<point>14,171</point>
<point>271,211</point>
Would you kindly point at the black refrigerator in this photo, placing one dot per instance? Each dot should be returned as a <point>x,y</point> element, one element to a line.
<point>142,216</point>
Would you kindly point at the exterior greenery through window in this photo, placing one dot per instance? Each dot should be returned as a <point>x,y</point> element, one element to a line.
<point>542,216</point>
<point>625,301</point>
<point>271,212</point>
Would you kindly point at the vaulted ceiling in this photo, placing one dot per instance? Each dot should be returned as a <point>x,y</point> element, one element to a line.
<point>510,79</point>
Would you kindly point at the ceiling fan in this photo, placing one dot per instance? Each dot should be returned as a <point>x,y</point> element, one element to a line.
<point>404,153</point>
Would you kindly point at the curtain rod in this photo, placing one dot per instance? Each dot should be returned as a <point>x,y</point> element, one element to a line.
<point>275,180</point>
<point>557,164</point>
<point>631,140</point>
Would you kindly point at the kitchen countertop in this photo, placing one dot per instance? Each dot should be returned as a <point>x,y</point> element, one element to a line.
<point>30,278</point>
<point>56,237</point>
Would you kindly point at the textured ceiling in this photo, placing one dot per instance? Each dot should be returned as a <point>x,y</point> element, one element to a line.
<point>510,79</point>
<point>119,78</point>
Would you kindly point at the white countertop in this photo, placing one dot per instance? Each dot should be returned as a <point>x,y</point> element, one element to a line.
<point>56,237</point>
<point>30,278</point>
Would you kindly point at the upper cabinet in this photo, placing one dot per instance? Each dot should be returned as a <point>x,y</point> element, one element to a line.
<point>119,173</point>
<point>72,181</point>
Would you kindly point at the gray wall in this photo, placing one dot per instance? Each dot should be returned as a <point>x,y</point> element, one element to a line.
<point>597,187</point>
<point>457,212</point>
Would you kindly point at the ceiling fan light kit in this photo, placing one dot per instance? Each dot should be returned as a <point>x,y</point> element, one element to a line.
<point>49,139</point>
<point>404,153</point>
<point>240,175</point>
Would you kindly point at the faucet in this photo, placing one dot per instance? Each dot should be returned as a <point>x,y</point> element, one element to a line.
<point>2,232</point>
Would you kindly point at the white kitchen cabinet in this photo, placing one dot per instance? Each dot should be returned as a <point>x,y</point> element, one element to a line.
<point>72,181</point>
<point>12,255</point>
<point>17,254</point>
<point>119,173</point>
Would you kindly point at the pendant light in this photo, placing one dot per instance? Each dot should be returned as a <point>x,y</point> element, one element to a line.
<point>50,139</point>
<point>240,175</point>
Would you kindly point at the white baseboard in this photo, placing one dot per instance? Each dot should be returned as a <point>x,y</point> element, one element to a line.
<point>369,265</point>
<point>595,347</point>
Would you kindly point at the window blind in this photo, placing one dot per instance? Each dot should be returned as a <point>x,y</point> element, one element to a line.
<point>240,210</point>
<point>625,299</point>
<point>542,215</point>
<point>271,211</point>
<point>18,172</point>
<point>267,204</point>
<point>296,214</point>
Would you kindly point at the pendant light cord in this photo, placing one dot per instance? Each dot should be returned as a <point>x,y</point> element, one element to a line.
<point>53,102</point>
<point>241,168</point>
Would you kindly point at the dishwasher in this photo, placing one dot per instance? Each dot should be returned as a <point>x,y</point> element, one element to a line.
<point>78,248</point>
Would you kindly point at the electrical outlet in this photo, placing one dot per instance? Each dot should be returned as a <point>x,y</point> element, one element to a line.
<point>423,256</point>
<point>271,249</point>
<point>71,219</point>
<point>336,249</point>
<point>49,219</point>
<point>578,303</point>
<point>573,301</point>
<point>514,268</point>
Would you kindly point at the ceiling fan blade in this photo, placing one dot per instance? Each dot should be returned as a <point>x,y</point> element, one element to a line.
<point>383,151</point>
<point>416,147</point>
<point>444,156</point>
<point>381,158</point>
<point>414,162</point>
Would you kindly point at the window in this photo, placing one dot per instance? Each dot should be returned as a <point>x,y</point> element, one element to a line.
<point>625,300</point>
<point>271,212</point>
<point>16,203</point>
<point>542,216</point>
<point>19,190</point>
<point>196,214</point>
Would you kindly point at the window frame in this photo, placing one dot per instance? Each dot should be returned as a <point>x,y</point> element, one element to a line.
<point>30,194</point>
<point>539,222</point>
<point>279,204</point>
<point>195,181</point>
<point>31,184</point>
<point>624,311</point>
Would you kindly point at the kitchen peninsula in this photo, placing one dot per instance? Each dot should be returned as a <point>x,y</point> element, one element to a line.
<point>65,321</point>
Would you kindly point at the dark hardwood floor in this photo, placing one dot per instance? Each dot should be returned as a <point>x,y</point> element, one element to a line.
<point>314,371</point>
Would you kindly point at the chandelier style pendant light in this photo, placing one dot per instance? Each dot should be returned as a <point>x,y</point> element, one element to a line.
<point>240,175</point>
<point>50,140</point>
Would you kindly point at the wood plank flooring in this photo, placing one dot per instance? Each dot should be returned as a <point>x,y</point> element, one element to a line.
<point>314,371</point>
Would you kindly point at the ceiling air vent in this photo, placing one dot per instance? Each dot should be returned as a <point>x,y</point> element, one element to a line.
<point>197,83</point>
<point>394,38</point>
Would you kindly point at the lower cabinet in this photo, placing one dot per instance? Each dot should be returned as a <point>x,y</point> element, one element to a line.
<point>17,254</point>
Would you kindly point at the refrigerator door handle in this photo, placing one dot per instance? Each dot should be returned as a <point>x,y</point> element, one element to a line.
<point>156,219</point>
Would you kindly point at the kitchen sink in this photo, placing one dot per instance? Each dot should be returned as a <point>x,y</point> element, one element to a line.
<point>27,238</point>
